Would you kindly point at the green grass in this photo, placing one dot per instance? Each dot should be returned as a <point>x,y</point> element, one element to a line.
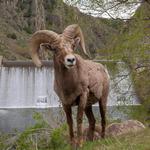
<point>42,137</point>
<point>138,141</point>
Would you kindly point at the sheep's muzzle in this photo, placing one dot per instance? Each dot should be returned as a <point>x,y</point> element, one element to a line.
<point>69,61</point>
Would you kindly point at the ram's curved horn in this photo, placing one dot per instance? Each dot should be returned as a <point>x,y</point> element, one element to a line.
<point>73,32</point>
<point>39,37</point>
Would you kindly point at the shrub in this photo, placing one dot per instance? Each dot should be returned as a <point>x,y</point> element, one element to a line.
<point>28,30</point>
<point>12,36</point>
<point>58,138</point>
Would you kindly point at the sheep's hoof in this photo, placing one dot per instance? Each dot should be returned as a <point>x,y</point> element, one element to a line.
<point>90,138</point>
<point>103,135</point>
<point>74,144</point>
<point>80,142</point>
<point>74,147</point>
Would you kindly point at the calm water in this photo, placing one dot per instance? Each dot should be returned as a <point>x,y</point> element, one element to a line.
<point>20,119</point>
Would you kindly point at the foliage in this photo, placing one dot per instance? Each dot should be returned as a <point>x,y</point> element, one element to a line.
<point>28,139</point>
<point>58,141</point>
<point>12,36</point>
<point>39,136</point>
<point>132,43</point>
<point>28,29</point>
<point>133,47</point>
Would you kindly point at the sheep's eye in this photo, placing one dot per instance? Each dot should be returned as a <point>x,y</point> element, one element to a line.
<point>53,49</point>
<point>48,46</point>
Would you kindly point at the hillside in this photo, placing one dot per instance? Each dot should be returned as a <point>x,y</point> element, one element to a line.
<point>19,19</point>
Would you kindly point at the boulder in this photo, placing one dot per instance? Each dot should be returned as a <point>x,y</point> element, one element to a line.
<point>97,133</point>
<point>116,129</point>
<point>129,126</point>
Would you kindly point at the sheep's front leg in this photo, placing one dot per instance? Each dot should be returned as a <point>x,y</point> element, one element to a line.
<point>81,107</point>
<point>68,111</point>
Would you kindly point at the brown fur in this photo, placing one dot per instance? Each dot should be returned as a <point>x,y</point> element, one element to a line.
<point>83,85</point>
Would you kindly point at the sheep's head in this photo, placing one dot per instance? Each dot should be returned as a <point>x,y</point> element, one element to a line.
<point>62,45</point>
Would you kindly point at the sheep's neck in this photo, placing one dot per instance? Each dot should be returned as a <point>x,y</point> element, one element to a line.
<point>65,78</point>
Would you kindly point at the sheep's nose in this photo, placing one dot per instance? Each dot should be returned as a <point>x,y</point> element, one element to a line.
<point>71,60</point>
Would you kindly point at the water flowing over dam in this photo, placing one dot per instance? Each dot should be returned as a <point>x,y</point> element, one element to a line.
<point>26,87</point>
<point>31,87</point>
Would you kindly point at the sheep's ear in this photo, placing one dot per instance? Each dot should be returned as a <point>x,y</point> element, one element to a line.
<point>76,42</point>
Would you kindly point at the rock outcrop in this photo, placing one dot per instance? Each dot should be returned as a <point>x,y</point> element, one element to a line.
<point>23,14</point>
<point>39,14</point>
<point>129,126</point>
<point>117,129</point>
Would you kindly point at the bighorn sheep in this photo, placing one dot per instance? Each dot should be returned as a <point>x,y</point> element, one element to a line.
<point>77,81</point>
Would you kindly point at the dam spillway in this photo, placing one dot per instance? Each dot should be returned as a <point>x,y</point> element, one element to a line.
<point>24,86</point>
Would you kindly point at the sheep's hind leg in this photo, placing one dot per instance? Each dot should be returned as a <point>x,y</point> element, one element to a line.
<point>102,107</point>
<point>91,120</point>
<point>68,111</point>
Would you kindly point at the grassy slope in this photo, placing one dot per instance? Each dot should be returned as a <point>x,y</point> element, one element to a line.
<point>132,141</point>
<point>40,137</point>
<point>138,141</point>
<point>12,42</point>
